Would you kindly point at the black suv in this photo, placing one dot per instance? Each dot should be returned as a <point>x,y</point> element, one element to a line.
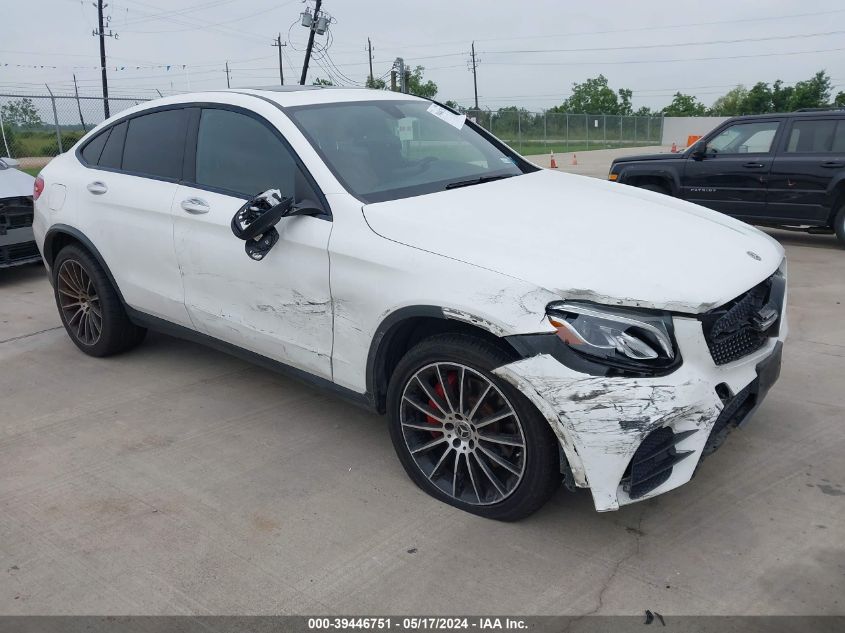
<point>783,170</point>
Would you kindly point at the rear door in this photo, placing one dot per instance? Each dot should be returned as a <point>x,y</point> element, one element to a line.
<point>279,307</point>
<point>812,155</point>
<point>128,187</point>
<point>731,175</point>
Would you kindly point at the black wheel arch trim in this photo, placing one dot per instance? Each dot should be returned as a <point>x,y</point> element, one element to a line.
<point>64,229</point>
<point>376,380</point>
<point>670,177</point>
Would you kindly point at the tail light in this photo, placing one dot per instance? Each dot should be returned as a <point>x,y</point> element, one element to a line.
<point>37,188</point>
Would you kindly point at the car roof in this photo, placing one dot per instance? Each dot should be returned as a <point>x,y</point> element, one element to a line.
<point>815,113</point>
<point>288,96</point>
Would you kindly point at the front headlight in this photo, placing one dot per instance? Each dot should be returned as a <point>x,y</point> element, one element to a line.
<point>625,340</point>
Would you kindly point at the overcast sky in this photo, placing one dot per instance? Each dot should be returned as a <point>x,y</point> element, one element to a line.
<point>636,45</point>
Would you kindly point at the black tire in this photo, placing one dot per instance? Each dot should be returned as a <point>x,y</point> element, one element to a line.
<point>839,225</point>
<point>655,188</point>
<point>74,268</point>
<point>538,455</point>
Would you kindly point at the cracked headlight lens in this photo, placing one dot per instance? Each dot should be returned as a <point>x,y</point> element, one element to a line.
<point>616,337</point>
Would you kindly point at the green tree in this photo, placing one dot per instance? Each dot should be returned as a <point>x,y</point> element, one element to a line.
<point>840,100</point>
<point>759,99</point>
<point>684,105</point>
<point>781,96</point>
<point>21,113</point>
<point>593,96</point>
<point>319,81</point>
<point>644,111</point>
<point>376,83</point>
<point>732,103</point>
<point>812,93</point>
<point>420,88</point>
<point>625,96</point>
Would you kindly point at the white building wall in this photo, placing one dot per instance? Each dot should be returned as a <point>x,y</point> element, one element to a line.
<point>676,129</point>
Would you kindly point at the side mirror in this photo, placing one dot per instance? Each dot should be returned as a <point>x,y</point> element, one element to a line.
<point>254,222</point>
<point>698,150</point>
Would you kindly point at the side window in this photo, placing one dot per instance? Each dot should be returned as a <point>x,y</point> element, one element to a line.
<point>155,144</point>
<point>240,154</point>
<point>93,148</point>
<point>112,155</point>
<point>744,138</point>
<point>811,137</point>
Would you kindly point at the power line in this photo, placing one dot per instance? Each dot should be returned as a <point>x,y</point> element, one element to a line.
<point>675,45</point>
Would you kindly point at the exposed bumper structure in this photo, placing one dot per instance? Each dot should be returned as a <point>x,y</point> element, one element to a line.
<point>17,243</point>
<point>629,439</point>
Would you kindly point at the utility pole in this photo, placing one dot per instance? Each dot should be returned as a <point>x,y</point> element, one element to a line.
<point>228,85</point>
<point>313,29</point>
<point>78,105</point>
<point>370,53</point>
<point>474,63</point>
<point>278,44</point>
<point>101,32</point>
<point>403,79</point>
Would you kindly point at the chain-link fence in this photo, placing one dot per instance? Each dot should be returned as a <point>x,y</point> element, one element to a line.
<point>542,132</point>
<point>37,127</point>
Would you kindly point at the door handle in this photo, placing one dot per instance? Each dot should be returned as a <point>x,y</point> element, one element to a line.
<point>98,187</point>
<point>832,164</point>
<point>752,165</point>
<point>196,206</point>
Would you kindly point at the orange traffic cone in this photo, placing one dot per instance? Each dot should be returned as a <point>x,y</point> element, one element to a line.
<point>574,159</point>
<point>554,162</point>
<point>674,149</point>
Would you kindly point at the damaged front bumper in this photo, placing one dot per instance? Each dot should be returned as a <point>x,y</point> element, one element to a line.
<point>629,439</point>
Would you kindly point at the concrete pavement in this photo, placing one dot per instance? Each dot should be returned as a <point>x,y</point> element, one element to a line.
<point>175,479</point>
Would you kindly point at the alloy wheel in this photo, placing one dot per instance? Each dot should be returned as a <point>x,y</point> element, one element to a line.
<point>463,433</point>
<point>79,302</point>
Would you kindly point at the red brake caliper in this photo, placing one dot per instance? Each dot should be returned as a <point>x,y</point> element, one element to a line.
<point>452,379</point>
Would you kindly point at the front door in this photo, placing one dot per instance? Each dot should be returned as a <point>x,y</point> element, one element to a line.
<point>731,175</point>
<point>812,156</point>
<point>279,307</point>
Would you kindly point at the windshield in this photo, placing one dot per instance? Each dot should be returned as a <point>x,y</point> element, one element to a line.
<point>385,150</point>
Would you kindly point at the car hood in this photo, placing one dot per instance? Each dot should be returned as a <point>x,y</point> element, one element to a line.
<point>584,238</point>
<point>14,183</point>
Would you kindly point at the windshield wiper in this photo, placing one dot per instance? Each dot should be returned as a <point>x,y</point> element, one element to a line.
<point>476,181</point>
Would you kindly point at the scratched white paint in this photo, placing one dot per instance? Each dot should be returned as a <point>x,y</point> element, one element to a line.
<point>493,255</point>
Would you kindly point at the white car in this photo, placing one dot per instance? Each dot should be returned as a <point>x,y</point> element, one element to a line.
<point>17,246</point>
<point>519,327</point>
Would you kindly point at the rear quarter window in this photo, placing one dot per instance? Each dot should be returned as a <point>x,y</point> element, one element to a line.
<point>93,148</point>
<point>113,151</point>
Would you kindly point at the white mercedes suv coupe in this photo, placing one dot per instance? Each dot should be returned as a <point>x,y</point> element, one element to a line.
<point>519,327</point>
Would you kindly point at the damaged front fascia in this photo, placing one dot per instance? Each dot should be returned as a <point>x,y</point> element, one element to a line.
<point>601,421</point>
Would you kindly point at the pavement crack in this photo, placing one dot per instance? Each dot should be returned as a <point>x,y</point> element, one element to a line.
<point>22,336</point>
<point>615,571</point>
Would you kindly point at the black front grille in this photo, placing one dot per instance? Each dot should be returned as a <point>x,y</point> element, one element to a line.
<point>737,328</point>
<point>15,213</point>
<point>652,464</point>
<point>18,253</point>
